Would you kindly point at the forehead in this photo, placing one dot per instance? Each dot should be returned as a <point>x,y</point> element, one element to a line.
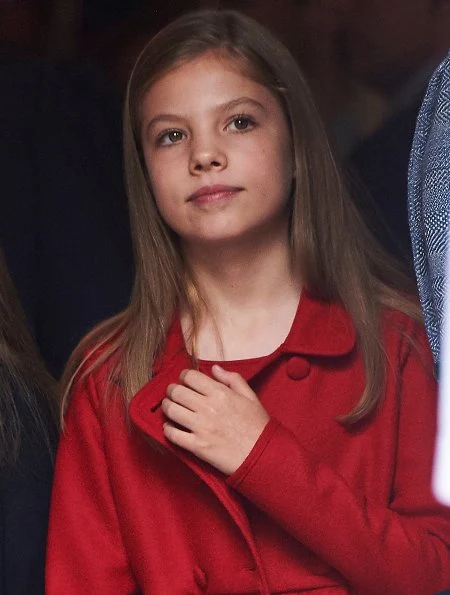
<point>220,58</point>
<point>208,77</point>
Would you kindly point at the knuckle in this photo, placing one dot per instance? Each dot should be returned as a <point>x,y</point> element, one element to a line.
<point>222,393</point>
<point>210,412</point>
<point>168,407</point>
<point>172,434</point>
<point>187,376</point>
<point>175,392</point>
<point>168,431</point>
<point>202,444</point>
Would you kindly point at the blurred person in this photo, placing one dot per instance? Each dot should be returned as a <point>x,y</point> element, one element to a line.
<point>429,216</point>
<point>429,201</point>
<point>393,46</point>
<point>27,441</point>
<point>261,417</point>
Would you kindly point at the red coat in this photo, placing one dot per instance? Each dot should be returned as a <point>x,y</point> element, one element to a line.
<point>314,506</point>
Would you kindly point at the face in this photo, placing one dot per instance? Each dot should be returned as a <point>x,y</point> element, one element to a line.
<point>218,153</point>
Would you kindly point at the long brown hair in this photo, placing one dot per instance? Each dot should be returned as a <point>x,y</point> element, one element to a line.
<point>336,255</point>
<point>22,376</point>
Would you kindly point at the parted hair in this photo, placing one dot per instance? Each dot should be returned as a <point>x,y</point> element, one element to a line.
<point>335,255</point>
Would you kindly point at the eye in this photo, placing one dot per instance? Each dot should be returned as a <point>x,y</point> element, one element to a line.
<point>170,137</point>
<point>241,123</point>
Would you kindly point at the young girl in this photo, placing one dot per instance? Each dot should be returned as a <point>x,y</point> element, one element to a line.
<point>261,417</point>
<point>27,440</point>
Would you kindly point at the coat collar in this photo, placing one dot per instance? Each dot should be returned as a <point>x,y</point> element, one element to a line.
<point>320,329</point>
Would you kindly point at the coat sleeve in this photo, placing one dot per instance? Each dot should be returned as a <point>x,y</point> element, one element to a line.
<point>401,548</point>
<point>85,552</point>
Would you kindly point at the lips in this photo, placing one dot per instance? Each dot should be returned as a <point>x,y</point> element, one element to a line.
<point>213,193</point>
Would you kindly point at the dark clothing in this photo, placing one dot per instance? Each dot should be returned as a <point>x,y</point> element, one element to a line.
<point>63,221</point>
<point>24,502</point>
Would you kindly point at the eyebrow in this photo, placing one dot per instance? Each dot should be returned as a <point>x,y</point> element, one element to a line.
<point>221,107</point>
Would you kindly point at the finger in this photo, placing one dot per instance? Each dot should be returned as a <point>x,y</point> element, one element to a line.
<point>234,381</point>
<point>184,396</point>
<point>199,382</point>
<point>179,414</point>
<point>178,436</point>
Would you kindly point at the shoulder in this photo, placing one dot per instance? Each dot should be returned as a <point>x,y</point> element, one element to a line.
<point>396,321</point>
<point>98,376</point>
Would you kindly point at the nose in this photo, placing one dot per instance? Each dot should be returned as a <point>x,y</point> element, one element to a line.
<point>207,156</point>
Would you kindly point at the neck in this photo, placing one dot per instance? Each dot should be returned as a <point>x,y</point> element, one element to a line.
<point>251,274</point>
<point>251,294</point>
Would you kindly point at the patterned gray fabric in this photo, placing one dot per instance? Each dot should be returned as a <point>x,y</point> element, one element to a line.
<point>429,199</point>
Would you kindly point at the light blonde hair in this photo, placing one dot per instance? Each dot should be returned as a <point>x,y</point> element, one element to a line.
<point>337,258</point>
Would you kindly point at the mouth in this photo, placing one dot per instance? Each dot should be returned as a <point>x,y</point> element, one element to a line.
<point>215,193</point>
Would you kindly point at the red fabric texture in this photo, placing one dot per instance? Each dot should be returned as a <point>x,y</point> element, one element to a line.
<point>315,506</point>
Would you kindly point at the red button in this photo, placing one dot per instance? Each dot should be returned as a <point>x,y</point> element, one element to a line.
<point>298,367</point>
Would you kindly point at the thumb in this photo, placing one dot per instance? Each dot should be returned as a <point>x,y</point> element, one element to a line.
<point>234,381</point>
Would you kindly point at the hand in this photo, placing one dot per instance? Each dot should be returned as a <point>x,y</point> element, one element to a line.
<point>218,420</point>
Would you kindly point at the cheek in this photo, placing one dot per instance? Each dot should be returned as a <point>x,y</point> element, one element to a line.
<point>163,203</point>
<point>275,184</point>
<point>150,171</point>
<point>160,188</point>
<point>285,162</point>
<point>156,177</point>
